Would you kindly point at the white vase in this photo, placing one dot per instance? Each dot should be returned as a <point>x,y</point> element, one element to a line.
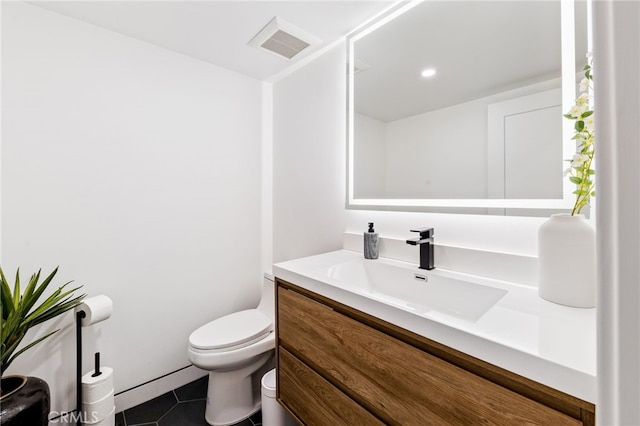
<point>567,261</point>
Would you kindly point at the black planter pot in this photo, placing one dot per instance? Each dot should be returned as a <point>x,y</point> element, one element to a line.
<point>24,401</point>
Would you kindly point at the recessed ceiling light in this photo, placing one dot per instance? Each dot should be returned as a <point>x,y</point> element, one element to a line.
<point>429,72</point>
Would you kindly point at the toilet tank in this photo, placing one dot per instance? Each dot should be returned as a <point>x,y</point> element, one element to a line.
<point>267,301</point>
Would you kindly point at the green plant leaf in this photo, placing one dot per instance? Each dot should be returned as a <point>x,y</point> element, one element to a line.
<point>51,302</point>
<point>7,300</point>
<point>20,312</point>
<point>575,180</point>
<point>579,125</point>
<point>33,298</point>
<point>587,114</point>
<point>569,116</point>
<point>16,289</point>
<point>30,345</point>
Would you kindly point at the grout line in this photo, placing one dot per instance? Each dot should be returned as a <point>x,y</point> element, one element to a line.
<point>192,400</point>
<point>168,411</point>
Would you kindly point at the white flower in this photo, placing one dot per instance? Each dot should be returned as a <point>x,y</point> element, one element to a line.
<point>578,160</point>
<point>585,83</point>
<point>577,110</point>
<point>589,123</point>
<point>583,99</point>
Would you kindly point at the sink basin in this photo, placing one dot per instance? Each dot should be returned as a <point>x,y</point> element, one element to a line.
<point>415,289</point>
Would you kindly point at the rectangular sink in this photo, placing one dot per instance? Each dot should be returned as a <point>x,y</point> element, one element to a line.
<point>415,289</point>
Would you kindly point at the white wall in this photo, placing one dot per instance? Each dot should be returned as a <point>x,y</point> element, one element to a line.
<point>309,155</point>
<point>308,194</point>
<point>422,150</point>
<point>137,170</point>
<point>616,59</point>
<point>439,154</point>
<point>370,162</point>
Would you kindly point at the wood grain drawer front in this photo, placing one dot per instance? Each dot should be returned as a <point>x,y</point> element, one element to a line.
<point>315,400</point>
<point>397,382</point>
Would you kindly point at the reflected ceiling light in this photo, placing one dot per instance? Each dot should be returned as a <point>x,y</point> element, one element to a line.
<point>429,72</point>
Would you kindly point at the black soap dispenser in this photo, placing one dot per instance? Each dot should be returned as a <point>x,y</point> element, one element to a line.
<point>371,243</point>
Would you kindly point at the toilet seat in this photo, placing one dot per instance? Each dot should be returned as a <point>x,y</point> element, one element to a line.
<point>232,331</point>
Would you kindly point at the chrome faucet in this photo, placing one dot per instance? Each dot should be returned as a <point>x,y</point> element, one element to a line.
<point>425,241</point>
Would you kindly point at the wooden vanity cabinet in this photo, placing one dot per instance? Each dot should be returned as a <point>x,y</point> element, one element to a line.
<point>339,366</point>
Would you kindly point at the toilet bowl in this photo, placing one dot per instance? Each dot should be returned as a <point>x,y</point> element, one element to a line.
<point>237,350</point>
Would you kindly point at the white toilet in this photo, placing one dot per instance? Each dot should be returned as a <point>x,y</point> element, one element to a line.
<point>238,350</point>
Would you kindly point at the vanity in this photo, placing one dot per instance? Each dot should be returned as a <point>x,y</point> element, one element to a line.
<point>367,342</point>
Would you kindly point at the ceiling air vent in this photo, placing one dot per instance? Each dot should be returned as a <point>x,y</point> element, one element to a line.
<point>283,39</point>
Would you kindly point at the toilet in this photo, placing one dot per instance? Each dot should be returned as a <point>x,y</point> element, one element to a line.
<point>237,350</point>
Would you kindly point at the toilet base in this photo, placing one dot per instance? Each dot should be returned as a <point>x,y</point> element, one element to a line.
<point>233,396</point>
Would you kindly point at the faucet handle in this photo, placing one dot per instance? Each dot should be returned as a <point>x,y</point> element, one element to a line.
<point>424,232</point>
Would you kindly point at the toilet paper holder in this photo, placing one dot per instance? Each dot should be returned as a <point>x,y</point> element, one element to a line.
<point>97,308</point>
<point>96,371</point>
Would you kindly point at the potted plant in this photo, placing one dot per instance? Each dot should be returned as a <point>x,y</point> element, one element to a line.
<point>566,242</point>
<point>580,169</point>
<point>25,400</point>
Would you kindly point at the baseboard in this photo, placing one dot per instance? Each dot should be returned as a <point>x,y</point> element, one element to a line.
<point>156,387</point>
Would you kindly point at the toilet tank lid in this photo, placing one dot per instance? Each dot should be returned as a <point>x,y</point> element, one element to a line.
<point>231,330</point>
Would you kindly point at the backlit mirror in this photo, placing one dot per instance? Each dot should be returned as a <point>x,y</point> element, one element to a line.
<point>458,104</point>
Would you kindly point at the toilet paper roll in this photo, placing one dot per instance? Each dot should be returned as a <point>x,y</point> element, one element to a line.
<point>96,309</point>
<point>95,388</point>
<point>109,420</point>
<point>100,409</point>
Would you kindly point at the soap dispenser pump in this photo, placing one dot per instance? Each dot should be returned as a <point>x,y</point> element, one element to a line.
<point>371,243</point>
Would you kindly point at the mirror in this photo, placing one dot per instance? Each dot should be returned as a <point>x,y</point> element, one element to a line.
<point>486,131</point>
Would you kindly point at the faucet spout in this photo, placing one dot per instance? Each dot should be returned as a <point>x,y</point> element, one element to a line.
<point>425,241</point>
<point>418,241</point>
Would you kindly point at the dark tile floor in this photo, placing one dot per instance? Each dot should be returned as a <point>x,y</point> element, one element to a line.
<point>180,407</point>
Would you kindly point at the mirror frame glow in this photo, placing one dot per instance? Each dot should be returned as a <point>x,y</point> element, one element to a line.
<point>568,99</point>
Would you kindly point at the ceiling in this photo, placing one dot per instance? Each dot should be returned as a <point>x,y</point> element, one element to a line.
<point>218,32</point>
<point>479,48</point>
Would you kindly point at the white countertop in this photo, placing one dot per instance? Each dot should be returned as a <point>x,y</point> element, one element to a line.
<point>549,343</point>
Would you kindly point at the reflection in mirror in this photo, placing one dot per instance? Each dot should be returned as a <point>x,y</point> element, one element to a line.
<point>485,124</point>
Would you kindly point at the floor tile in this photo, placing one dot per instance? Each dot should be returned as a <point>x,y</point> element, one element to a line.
<point>257,418</point>
<point>187,410</point>
<point>120,419</point>
<point>189,413</point>
<point>194,390</point>
<point>150,411</point>
<point>245,422</point>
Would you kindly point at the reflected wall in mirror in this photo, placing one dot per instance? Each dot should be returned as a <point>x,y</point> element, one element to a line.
<point>486,130</point>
